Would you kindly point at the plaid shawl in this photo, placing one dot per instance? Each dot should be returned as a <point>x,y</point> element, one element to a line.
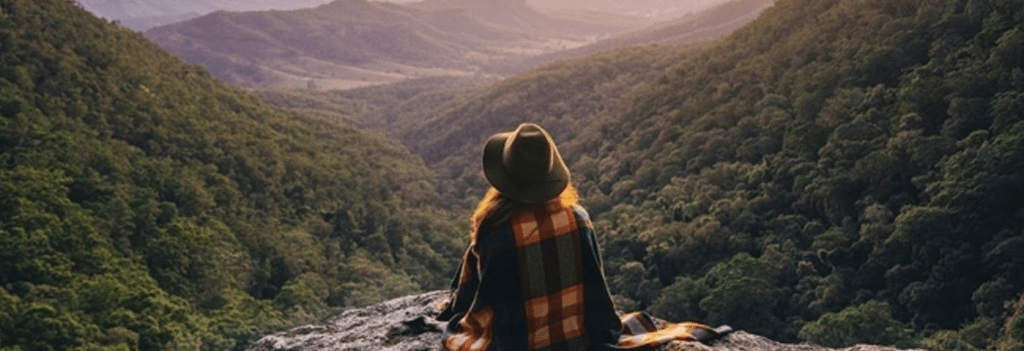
<point>536,283</point>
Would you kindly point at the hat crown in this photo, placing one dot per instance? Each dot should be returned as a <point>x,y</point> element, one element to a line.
<point>528,154</point>
<point>525,165</point>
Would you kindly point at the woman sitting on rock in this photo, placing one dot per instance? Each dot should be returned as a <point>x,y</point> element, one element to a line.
<point>532,278</point>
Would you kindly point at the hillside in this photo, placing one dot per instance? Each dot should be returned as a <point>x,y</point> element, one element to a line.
<point>835,172</point>
<point>445,121</point>
<point>350,43</point>
<point>390,108</point>
<point>377,108</point>
<point>141,15</point>
<point>695,27</point>
<point>652,10</point>
<point>146,206</point>
<point>518,14</point>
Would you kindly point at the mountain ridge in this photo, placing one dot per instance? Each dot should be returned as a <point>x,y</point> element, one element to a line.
<point>357,42</point>
<point>141,15</point>
<point>706,25</point>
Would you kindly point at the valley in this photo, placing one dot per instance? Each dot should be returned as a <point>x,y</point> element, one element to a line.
<point>832,172</point>
<point>651,10</point>
<point>829,165</point>
<point>351,43</point>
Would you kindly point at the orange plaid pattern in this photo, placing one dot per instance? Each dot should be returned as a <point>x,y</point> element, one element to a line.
<point>476,332</point>
<point>529,231</point>
<point>552,249</point>
<point>551,274</point>
<point>639,331</point>
<point>553,253</point>
<point>555,318</point>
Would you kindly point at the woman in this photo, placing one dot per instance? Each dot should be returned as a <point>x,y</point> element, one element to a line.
<point>532,276</point>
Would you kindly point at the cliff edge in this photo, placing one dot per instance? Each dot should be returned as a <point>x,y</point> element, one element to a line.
<point>378,327</point>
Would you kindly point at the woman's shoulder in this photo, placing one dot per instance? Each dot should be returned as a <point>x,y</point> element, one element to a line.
<point>582,216</point>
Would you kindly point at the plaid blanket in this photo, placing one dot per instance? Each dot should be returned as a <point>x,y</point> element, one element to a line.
<point>536,283</point>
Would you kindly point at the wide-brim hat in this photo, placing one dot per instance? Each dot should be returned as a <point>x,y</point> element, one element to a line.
<point>525,165</point>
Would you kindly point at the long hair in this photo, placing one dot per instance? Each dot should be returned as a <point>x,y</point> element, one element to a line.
<point>500,208</point>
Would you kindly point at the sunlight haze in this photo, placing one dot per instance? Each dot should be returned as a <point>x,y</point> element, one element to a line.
<point>658,10</point>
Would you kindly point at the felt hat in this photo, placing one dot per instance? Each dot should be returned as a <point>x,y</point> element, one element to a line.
<point>525,165</point>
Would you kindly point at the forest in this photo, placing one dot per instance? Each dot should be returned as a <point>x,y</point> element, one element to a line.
<point>836,172</point>
<point>146,206</point>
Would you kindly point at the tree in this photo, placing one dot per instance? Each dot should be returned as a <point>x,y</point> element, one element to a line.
<point>680,301</point>
<point>870,322</point>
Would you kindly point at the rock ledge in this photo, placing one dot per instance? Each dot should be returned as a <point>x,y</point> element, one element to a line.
<point>378,327</point>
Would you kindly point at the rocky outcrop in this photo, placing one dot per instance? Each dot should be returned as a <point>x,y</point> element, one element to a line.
<point>376,327</point>
<point>379,327</point>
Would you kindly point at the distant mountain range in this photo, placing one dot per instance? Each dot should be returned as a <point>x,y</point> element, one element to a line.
<point>350,43</point>
<point>653,10</point>
<point>144,14</point>
<point>708,24</point>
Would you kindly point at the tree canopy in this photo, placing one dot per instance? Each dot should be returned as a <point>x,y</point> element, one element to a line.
<point>848,160</point>
<point>146,206</point>
<point>839,171</point>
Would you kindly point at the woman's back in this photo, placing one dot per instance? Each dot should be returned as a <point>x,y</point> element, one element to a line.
<point>532,278</point>
<point>538,285</point>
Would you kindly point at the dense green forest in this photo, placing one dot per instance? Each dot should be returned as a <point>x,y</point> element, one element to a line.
<point>834,164</point>
<point>146,206</point>
<point>381,108</point>
<point>445,121</point>
<point>838,171</point>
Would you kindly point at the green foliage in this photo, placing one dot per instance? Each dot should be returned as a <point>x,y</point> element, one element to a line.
<point>745,302</point>
<point>376,283</point>
<point>680,301</point>
<point>741,295</point>
<point>1013,336</point>
<point>830,158</point>
<point>870,322</point>
<point>145,206</point>
<point>974,336</point>
<point>839,171</point>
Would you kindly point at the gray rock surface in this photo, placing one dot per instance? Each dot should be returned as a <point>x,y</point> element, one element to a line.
<point>379,327</point>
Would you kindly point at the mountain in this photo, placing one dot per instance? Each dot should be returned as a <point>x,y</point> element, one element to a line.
<point>141,15</point>
<point>384,108</point>
<point>357,42</point>
<point>652,10</point>
<point>519,15</point>
<point>144,23</point>
<point>705,25</point>
<point>833,172</point>
<point>379,327</point>
<point>144,205</point>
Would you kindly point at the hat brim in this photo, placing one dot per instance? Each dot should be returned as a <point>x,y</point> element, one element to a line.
<point>530,192</point>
